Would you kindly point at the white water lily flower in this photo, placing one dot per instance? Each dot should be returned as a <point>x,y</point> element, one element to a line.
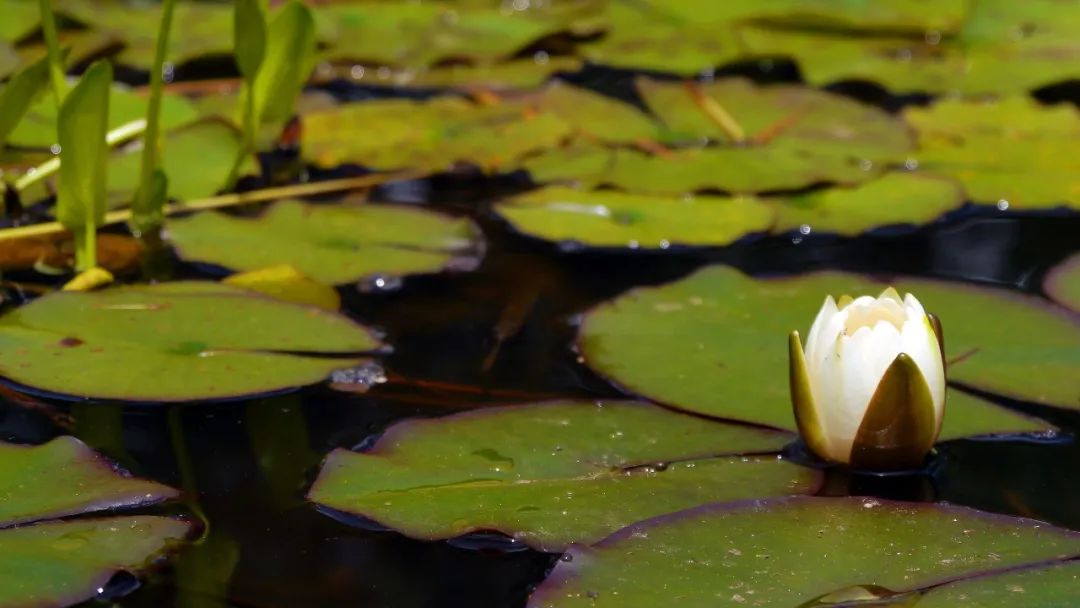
<point>869,390</point>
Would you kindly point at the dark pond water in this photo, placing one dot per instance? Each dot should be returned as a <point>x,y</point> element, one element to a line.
<point>501,334</point>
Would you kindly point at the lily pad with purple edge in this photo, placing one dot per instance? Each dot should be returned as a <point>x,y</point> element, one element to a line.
<point>551,474</point>
<point>331,243</point>
<point>730,330</point>
<point>53,562</point>
<point>1063,283</point>
<point>174,342</point>
<point>798,551</point>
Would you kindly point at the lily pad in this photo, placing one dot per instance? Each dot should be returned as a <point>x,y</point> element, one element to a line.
<point>615,219</point>
<point>895,198</point>
<point>1012,152</point>
<point>1063,283</point>
<point>196,159</point>
<point>1050,587</point>
<point>330,243</point>
<point>729,331</point>
<point>173,342</point>
<point>433,134</point>
<point>551,474</point>
<point>517,74</point>
<point>65,562</point>
<point>38,128</point>
<point>791,137</point>
<point>797,551</point>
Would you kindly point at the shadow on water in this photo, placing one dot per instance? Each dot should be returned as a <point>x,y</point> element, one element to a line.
<point>503,334</point>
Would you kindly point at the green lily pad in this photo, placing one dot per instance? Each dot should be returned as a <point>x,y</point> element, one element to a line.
<point>795,137</point>
<point>729,331</point>
<point>895,198</point>
<point>417,35</point>
<point>730,169</point>
<point>38,128</point>
<point>62,478</point>
<point>173,342</point>
<point>797,551</point>
<point>433,134</point>
<point>1063,283</point>
<point>1050,587</point>
<point>1011,152</point>
<point>199,29</point>
<point>551,474</point>
<point>196,159</point>
<point>615,219</point>
<point>65,562</point>
<point>517,74</point>
<point>329,243</point>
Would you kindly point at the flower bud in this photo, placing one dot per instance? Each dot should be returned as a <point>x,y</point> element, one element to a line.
<point>869,390</point>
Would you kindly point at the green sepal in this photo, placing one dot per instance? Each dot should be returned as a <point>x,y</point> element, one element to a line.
<point>807,417</point>
<point>899,426</point>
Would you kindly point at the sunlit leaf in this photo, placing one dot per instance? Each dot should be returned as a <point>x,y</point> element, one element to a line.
<point>731,330</point>
<point>173,342</point>
<point>82,125</point>
<point>287,283</point>
<point>249,37</point>
<point>793,551</point>
<point>19,92</point>
<point>61,563</point>
<point>895,198</point>
<point>329,243</point>
<point>1012,152</point>
<point>432,134</point>
<point>38,129</point>
<point>554,473</point>
<point>290,54</point>
<point>614,219</point>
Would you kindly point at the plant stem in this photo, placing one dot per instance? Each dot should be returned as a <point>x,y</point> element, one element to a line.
<point>52,45</point>
<point>716,113</point>
<point>247,143</point>
<point>46,169</point>
<point>145,202</point>
<point>225,200</point>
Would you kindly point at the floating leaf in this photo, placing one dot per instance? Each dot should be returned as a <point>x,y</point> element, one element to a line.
<point>432,134</point>
<point>415,35</point>
<point>287,283</point>
<point>329,243</point>
<point>63,563</point>
<point>895,198</point>
<point>38,128</point>
<point>202,29</point>
<point>195,158</point>
<point>1002,47</point>
<point>730,332</point>
<point>1063,283</point>
<point>517,74</point>
<point>1012,152</point>
<point>796,137</point>
<point>551,474</point>
<point>1049,587</point>
<point>614,219</point>
<point>173,342</point>
<point>798,551</point>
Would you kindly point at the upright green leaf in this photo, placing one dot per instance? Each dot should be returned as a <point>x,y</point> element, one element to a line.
<point>153,187</point>
<point>19,92</point>
<point>249,37</point>
<point>82,125</point>
<point>290,55</point>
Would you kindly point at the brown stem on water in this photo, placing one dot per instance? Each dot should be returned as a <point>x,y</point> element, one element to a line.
<point>716,112</point>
